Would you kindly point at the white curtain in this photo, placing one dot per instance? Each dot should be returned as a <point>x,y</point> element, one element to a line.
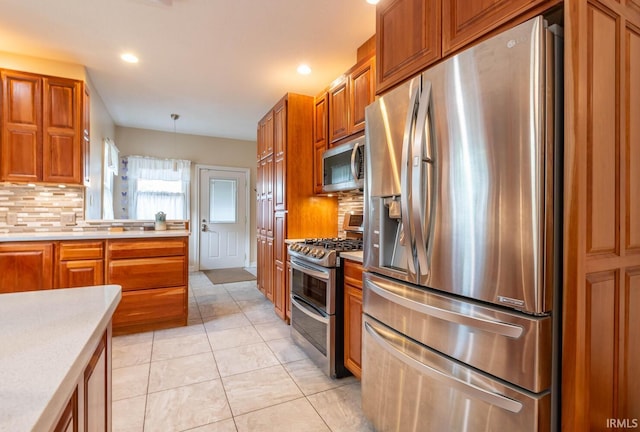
<point>157,185</point>
<point>110,171</point>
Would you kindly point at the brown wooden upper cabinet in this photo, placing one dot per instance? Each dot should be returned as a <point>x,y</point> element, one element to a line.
<point>348,97</point>
<point>413,34</point>
<point>265,136</point>
<point>320,128</point>
<point>465,21</point>
<point>26,266</point>
<point>42,129</point>
<point>407,39</point>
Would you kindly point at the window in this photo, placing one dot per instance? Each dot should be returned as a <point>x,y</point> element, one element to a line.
<point>158,185</point>
<point>111,161</point>
<point>222,201</point>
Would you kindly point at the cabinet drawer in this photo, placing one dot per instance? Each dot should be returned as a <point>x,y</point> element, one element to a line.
<point>143,273</point>
<point>353,273</point>
<point>148,306</point>
<point>80,250</point>
<point>146,248</point>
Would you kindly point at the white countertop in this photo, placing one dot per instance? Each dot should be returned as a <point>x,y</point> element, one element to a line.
<point>353,256</point>
<point>45,338</point>
<point>89,235</point>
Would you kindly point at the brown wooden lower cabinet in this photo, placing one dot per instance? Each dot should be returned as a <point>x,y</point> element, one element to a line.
<point>153,274</point>
<point>69,420</point>
<point>141,310</point>
<point>26,266</point>
<point>72,274</point>
<point>353,317</point>
<point>79,263</point>
<point>91,395</point>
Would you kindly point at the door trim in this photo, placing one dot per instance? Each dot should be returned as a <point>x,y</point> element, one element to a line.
<point>195,221</point>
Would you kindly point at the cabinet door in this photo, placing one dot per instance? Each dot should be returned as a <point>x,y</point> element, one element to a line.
<point>62,130</point>
<point>86,135</point>
<point>361,92</point>
<point>26,267</point>
<point>269,196</point>
<point>280,253</point>
<point>21,144</point>
<point>81,273</point>
<point>267,135</point>
<point>466,20</point>
<point>96,388</point>
<point>320,113</point>
<point>353,329</point>
<point>353,316</point>
<point>338,111</point>
<point>287,301</point>
<point>279,293</point>
<point>69,419</point>
<point>280,144</point>
<point>407,39</point>
<point>269,269</point>
<point>261,264</point>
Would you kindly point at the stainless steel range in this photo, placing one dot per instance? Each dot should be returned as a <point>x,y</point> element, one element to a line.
<point>317,300</point>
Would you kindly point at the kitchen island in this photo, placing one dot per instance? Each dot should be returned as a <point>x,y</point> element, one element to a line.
<point>55,358</point>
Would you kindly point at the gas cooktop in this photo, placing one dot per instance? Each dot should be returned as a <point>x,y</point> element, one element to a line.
<point>324,251</point>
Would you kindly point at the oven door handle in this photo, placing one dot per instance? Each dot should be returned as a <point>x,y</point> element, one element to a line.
<point>323,276</point>
<point>309,310</point>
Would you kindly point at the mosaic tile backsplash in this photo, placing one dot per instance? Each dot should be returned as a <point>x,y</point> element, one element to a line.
<point>40,208</point>
<point>353,202</point>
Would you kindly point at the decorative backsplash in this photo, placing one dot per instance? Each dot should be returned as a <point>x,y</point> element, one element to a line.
<point>353,202</point>
<point>40,208</point>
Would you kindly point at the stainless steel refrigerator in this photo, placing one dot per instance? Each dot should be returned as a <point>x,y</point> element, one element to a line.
<point>462,241</point>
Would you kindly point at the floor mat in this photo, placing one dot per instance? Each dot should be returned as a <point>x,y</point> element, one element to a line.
<point>228,275</point>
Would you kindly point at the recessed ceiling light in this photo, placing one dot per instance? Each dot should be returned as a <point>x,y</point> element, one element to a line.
<point>129,58</point>
<point>373,1</point>
<point>304,69</point>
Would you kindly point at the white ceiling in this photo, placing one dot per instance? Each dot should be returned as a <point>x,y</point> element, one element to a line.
<point>219,64</point>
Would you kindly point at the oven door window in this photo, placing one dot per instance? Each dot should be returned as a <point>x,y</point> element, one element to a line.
<point>311,289</point>
<point>312,329</point>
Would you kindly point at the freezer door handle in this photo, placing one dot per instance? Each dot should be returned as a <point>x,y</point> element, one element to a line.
<point>421,184</point>
<point>405,180</point>
<point>497,327</point>
<point>472,390</point>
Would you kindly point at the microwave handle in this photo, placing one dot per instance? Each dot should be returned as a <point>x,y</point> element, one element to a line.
<point>354,153</point>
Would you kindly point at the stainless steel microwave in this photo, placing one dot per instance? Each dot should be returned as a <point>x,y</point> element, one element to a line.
<point>343,167</point>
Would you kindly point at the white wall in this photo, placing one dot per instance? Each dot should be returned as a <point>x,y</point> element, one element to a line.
<point>102,127</point>
<point>199,150</point>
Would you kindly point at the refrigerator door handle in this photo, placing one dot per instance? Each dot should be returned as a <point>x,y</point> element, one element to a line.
<point>492,326</point>
<point>421,208</point>
<point>405,180</point>
<point>472,390</point>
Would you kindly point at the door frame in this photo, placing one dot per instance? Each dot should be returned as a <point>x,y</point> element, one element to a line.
<point>196,213</point>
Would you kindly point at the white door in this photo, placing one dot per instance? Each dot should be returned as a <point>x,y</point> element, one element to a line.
<point>223,218</point>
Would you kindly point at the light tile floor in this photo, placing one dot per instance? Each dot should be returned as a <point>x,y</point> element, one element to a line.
<point>234,368</point>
